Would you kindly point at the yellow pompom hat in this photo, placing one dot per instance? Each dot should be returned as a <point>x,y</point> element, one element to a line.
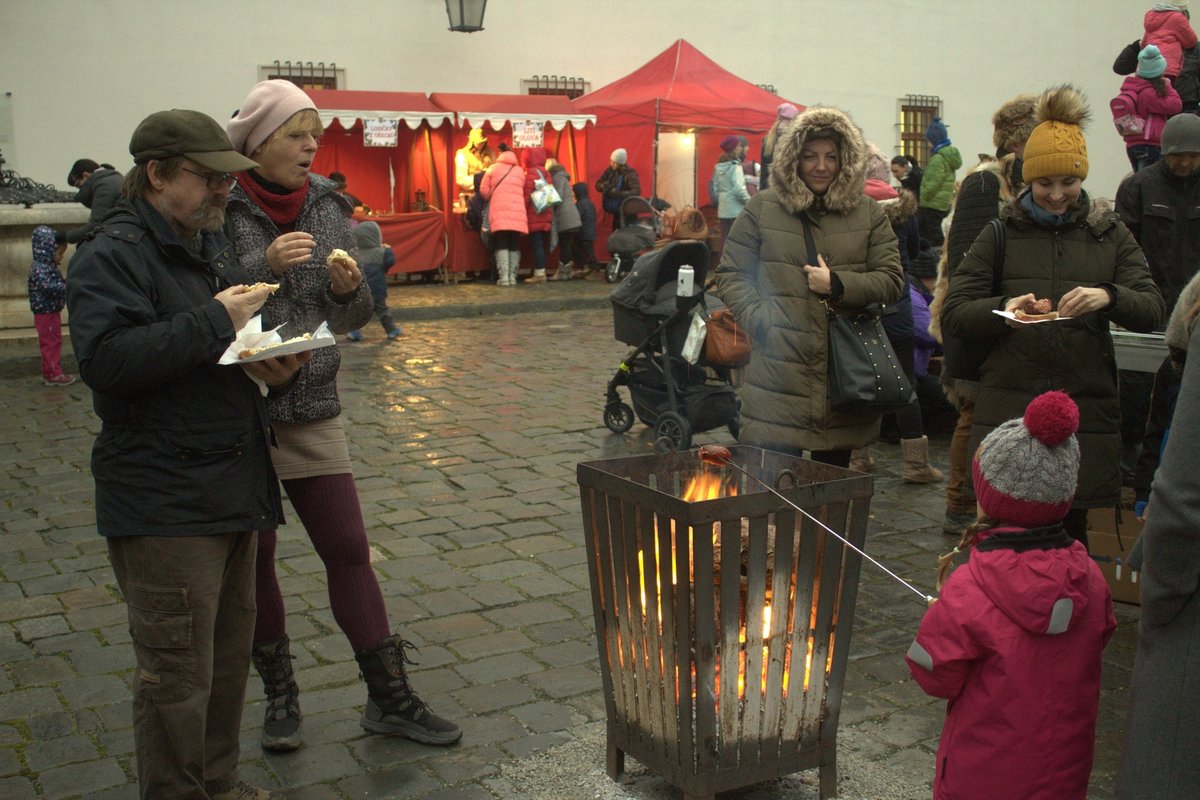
<point>1057,145</point>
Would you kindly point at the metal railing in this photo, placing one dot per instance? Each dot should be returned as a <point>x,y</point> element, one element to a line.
<point>18,191</point>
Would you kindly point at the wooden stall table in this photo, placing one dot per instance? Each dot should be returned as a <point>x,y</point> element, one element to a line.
<point>418,240</point>
<point>466,250</point>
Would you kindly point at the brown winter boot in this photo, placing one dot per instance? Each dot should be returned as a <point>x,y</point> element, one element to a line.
<point>392,706</point>
<point>916,462</point>
<point>861,459</point>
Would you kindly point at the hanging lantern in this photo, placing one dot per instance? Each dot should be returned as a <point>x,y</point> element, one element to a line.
<point>466,16</point>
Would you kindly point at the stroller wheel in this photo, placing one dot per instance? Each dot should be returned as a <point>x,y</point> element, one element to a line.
<point>675,428</point>
<point>612,273</point>
<point>618,417</point>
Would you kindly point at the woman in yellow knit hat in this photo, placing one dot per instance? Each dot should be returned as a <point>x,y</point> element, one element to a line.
<point>1051,244</point>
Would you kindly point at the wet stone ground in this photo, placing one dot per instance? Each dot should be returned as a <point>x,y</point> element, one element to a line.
<point>465,434</point>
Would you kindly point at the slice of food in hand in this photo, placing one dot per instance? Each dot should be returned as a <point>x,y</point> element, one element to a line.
<point>340,256</point>
<point>250,352</point>
<point>272,287</point>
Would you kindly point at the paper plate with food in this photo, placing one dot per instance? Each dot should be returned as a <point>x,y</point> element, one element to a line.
<point>255,344</point>
<point>1032,311</point>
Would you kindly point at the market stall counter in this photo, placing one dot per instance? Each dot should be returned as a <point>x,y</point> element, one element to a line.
<point>418,239</point>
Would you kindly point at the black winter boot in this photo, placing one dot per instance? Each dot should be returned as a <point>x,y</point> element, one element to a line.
<point>392,706</point>
<point>281,721</point>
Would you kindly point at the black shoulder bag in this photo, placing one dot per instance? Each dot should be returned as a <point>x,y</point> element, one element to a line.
<point>864,374</point>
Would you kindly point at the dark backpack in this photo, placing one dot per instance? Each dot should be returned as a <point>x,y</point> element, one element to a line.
<point>1125,115</point>
<point>714,194</point>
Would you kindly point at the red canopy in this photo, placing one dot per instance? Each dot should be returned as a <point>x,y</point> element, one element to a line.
<point>416,163</point>
<point>681,90</point>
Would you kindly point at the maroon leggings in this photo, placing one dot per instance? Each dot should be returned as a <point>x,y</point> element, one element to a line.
<point>328,507</point>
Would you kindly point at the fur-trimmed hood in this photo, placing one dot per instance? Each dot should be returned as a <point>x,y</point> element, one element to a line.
<point>847,188</point>
<point>900,210</point>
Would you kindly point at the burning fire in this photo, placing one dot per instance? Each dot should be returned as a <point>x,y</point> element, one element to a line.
<point>709,485</point>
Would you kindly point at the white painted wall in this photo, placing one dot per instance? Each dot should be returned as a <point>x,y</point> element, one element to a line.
<point>83,73</point>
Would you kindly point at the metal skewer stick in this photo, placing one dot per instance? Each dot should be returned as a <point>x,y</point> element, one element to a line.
<point>929,599</point>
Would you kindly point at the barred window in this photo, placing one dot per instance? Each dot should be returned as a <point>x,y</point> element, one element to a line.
<point>305,74</point>
<point>555,84</point>
<point>916,112</point>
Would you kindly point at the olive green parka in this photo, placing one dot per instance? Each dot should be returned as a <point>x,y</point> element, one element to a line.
<point>761,277</point>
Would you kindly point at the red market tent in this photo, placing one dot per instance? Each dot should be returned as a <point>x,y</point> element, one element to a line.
<point>386,178</point>
<point>680,90</point>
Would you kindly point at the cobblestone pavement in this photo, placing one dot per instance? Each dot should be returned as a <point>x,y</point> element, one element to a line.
<point>465,434</point>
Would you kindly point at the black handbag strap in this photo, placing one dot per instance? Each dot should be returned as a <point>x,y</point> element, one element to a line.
<point>810,244</point>
<point>998,260</point>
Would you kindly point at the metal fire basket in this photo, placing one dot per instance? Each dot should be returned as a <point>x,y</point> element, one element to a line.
<point>723,615</point>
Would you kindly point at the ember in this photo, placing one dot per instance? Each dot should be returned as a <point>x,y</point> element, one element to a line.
<point>698,664</point>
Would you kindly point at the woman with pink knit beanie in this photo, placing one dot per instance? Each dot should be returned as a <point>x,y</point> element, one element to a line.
<point>286,223</point>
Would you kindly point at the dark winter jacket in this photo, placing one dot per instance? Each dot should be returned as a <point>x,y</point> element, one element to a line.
<point>614,185</point>
<point>100,192</point>
<point>304,299</point>
<point>178,430</point>
<point>1014,643</point>
<point>47,287</point>
<point>978,203</point>
<point>587,212</point>
<point>785,397</point>
<point>1162,211</point>
<point>1076,355</point>
<point>1127,60</point>
<point>912,181</point>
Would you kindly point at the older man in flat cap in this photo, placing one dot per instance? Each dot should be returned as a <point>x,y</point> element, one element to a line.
<point>183,474</point>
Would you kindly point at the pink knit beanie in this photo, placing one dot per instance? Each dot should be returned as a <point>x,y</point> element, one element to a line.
<point>269,105</point>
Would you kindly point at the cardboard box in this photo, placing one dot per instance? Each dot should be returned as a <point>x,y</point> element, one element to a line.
<point>1111,534</point>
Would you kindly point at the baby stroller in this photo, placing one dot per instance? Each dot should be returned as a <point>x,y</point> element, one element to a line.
<point>670,395</point>
<point>633,236</point>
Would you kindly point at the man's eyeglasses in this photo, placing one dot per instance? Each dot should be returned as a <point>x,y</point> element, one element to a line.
<point>213,180</point>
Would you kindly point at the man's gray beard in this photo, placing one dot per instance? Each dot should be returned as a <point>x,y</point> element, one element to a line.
<point>207,218</point>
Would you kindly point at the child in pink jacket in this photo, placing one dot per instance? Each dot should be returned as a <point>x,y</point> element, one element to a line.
<point>1015,639</point>
<point>1155,101</point>
<point>1168,27</point>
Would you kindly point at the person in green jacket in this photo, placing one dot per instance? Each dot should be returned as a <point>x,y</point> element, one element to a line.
<point>937,184</point>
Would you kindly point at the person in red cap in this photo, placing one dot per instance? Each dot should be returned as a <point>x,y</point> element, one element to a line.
<point>1014,640</point>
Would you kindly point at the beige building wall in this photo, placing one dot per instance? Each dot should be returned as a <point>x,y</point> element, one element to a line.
<point>82,73</point>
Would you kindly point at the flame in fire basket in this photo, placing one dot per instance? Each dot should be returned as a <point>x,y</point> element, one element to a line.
<point>709,485</point>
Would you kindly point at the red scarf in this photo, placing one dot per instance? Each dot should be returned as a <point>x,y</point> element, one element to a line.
<point>283,207</point>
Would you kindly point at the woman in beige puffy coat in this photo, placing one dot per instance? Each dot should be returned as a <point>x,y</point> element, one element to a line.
<point>781,298</point>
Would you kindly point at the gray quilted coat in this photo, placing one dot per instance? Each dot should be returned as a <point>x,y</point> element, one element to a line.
<point>1162,743</point>
<point>304,300</point>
